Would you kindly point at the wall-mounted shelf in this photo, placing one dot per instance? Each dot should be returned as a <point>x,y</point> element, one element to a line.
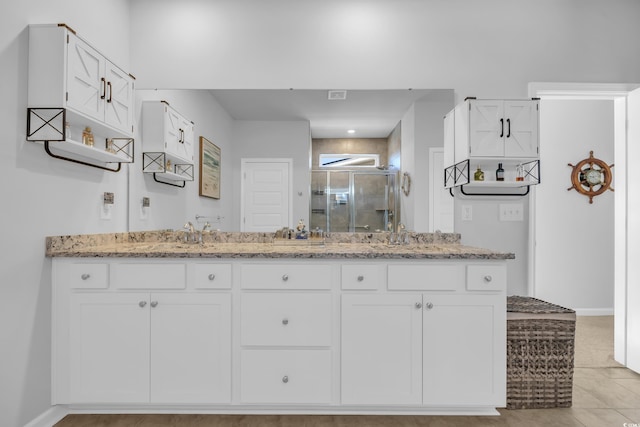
<point>47,125</point>
<point>156,164</point>
<point>459,175</point>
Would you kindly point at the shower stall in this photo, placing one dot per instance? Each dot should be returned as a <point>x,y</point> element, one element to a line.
<point>354,200</point>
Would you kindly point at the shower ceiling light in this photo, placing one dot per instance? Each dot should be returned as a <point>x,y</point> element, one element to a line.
<point>351,131</point>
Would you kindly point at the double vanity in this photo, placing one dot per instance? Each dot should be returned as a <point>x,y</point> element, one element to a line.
<point>245,323</point>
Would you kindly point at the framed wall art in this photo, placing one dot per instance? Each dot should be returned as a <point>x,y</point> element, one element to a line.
<point>210,157</point>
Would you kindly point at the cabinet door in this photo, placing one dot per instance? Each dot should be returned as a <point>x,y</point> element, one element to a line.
<point>521,133</point>
<point>381,349</point>
<point>119,98</point>
<point>184,147</point>
<point>172,133</point>
<point>464,350</point>
<point>109,348</point>
<point>486,128</point>
<point>190,348</point>
<point>86,85</point>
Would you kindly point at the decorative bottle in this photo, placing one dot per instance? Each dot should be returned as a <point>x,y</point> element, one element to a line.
<point>499,173</point>
<point>87,137</point>
<point>478,175</point>
<point>520,172</point>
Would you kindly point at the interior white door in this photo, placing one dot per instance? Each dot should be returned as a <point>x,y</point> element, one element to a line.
<point>633,237</point>
<point>266,194</point>
<point>441,202</point>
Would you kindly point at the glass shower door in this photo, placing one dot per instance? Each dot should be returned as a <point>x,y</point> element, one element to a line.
<point>371,202</point>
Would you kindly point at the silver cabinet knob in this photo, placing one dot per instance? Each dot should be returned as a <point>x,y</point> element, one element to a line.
<point>154,303</point>
<point>488,278</point>
<point>360,278</point>
<point>142,303</point>
<point>285,379</point>
<point>212,276</point>
<point>285,322</point>
<point>418,305</point>
<point>285,277</point>
<point>85,276</point>
<point>428,305</point>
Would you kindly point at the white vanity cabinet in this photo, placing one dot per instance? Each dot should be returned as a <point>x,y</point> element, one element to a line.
<point>441,347</point>
<point>166,130</point>
<point>129,342</point>
<point>325,336</point>
<point>67,72</point>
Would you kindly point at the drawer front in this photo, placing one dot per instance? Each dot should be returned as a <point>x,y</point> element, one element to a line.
<point>286,276</point>
<point>486,277</point>
<point>87,275</point>
<point>286,319</point>
<point>148,276</point>
<point>211,276</point>
<point>285,376</point>
<point>363,276</point>
<point>426,277</point>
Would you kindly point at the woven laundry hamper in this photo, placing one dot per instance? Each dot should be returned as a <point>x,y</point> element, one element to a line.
<point>540,352</point>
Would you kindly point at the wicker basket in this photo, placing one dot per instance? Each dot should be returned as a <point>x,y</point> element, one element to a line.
<point>540,351</point>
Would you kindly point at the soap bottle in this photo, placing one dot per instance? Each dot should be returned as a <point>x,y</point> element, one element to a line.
<point>520,172</point>
<point>478,175</point>
<point>87,137</point>
<point>499,173</point>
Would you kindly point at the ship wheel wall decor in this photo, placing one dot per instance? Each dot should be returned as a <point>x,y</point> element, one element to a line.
<point>591,177</point>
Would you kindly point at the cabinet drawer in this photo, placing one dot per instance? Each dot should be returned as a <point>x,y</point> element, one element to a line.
<point>486,277</point>
<point>286,319</point>
<point>285,276</point>
<point>426,277</point>
<point>148,276</point>
<point>211,276</point>
<point>363,276</point>
<point>285,376</point>
<point>87,276</point>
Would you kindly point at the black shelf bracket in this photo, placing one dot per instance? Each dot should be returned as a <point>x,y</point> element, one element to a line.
<point>56,156</point>
<point>155,178</point>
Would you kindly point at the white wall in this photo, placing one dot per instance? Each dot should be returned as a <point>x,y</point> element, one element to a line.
<point>491,48</point>
<point>278,139</point>
<point>170,206</point>
<point>43,196</point>
<point>574,255</point>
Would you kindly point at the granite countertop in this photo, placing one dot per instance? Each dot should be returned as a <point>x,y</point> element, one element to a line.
<point>169,244</point>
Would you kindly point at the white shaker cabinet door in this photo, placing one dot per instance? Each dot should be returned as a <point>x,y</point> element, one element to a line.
<point>118,98</point>
<point>86,83</point>
<point>382,349</point>
<point>190,348</point>
<point>109,347</point>
<point>464,356</point>
<point>486,128</point>
<point>521,137</point>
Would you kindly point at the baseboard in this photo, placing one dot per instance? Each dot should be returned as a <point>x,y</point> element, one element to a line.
<point>49,417</point>
<point>594,311</point>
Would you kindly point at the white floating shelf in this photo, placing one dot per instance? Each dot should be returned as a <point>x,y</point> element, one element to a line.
<point>173,176</point>
<point>89,152</point>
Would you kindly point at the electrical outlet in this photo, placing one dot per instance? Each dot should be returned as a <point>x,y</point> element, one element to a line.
<point>467,212</point>
<point>106,207</point>
<point>511,212</point>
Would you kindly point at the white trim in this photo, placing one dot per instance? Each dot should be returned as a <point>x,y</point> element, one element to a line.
<point>49,417</point>
<point>594,311</point>
<point>618,93</point>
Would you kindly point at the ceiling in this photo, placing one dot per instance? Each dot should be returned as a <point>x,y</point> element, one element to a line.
<point>371,113</point>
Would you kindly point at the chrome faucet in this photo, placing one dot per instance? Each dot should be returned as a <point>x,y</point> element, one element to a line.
<point>206,227</point>
<point>189,232</point>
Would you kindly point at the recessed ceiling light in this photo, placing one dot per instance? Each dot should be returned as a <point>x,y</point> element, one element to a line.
<point>351,131</point>
<point>337,95</point>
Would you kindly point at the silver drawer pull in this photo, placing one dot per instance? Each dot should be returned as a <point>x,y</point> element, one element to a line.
<point>85,276</point>
<point>360,278</point>
<point>285,277</point>
<point>428,305</point>
<point>488,278</point>
<point>142,303</point>
<point>285,379</point>
<point>285,322</point>
<point>212,276</point>
<point>418,305</point>
<point>154,303</point>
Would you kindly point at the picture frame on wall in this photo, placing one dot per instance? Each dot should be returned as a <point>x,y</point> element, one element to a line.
<point>210,157</point>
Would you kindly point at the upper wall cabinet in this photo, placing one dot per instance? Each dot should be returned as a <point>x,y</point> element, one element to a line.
<point>72,86</point>
<point>486,135</point>
<point>168,142</point>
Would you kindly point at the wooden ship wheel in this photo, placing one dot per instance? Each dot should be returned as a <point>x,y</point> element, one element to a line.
<point>591,177</point>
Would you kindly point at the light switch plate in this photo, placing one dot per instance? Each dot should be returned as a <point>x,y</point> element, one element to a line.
<point>467,212</point>
<point>511,212</point>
